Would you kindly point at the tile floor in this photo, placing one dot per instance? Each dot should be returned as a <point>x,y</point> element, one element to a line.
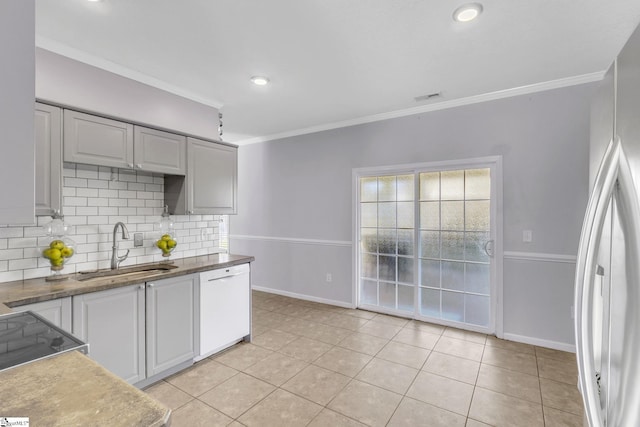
<point>318,365</point>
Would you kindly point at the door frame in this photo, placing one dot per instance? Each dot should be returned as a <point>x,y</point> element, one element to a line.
<point>495,163</point>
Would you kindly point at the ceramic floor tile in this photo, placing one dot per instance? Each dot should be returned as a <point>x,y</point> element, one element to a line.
<point>242,356</point>
<point>380,329</point>
<point>511,383</point>
<point>460,334</point>
<point>202,377</point>
<point>171,396</point>
<point>239,393</point>
<point>391,320</point>
<point>305,349</point>
<point>510,345</point>
<point>346,322</point>
<point>368,315</point>
<point>366,403</point>
<point>500,410</point>
<point>273,339</point>
<point>425,327</point>
<point>317,384</point>
<point>412,412</point>
<point>363,343</point>
<point>281,409</point>
<point>276,369</point>
<point>341,360</point>
<point>513,360</point>
<point>564,397</point>
<point>445,393</point>
<point>328,334</point>
<point>556,418</point>
<point>474,423</point>
<point>453,367</point>
<point>460,348</point>
<point>558,370</point>
<point>388,375</point>
<point>198,414</point>
<point>555,354</point>
<point>404,354</point>
<point>417,338</point>
<point>329,418</point>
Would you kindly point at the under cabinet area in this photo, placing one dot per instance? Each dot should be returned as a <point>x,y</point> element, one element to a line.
<point>141,330</point>
<point>48,139</point>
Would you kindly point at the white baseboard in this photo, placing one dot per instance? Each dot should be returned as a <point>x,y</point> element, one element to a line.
<point>303,297</point>
<point>540,342</point>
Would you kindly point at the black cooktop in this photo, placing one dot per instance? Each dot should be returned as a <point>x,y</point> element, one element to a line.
<point>27,336</point>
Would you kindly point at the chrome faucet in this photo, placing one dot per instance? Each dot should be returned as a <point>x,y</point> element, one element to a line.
<point>115,259</point>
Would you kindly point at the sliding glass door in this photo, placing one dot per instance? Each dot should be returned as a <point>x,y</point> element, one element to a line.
<point>426,242</point>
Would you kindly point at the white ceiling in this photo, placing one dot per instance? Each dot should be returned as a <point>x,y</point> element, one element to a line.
<point>334,62</point>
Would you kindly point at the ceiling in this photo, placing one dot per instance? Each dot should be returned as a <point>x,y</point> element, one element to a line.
<point>337,62</point>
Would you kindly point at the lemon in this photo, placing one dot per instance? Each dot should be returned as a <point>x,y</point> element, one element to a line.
<point>166,237</point>
<point>162,244</point>
<point>171,244</point>
<point>57,262</point>
<point>57,244</point>
<point>66,252</point>
<point>54,254</point>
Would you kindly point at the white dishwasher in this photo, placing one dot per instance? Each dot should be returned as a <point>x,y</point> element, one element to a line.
<point>225,308</point>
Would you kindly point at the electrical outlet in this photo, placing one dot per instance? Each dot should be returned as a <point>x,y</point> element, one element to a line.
<point>527,236</point>
<point>329,278</point>
<point>137,239</point>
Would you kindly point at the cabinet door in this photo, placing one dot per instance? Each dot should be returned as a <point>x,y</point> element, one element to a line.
<point>158,151</point>
<point>170,323</point>
<point>97,141</point>
<point>17,92</point>
<point>212,177</point>
<point>112,323</point>
<point>57,311</point>
<point>48,133</point>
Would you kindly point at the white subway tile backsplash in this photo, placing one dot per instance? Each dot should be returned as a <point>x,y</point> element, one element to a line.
<point>94,199</point>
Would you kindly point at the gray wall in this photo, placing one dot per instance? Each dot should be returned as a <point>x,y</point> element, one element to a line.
<point>295,206</point>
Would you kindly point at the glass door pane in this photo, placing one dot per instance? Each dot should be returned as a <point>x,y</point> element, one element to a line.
<point>387,242</point>
<point>454,228</point>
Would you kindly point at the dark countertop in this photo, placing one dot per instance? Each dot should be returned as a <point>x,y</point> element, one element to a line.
<point>21,292</point>
<point>72,390</point>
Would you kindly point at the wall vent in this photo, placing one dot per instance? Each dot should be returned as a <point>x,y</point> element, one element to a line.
<point>428,96</point>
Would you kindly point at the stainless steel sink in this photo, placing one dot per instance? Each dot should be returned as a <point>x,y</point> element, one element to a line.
<point>136,270</point>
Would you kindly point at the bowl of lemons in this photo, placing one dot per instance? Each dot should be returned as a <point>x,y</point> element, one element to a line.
<point>166,244</point>
<point>58,252</point>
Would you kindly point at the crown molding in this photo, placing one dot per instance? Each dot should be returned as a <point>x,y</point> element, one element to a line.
<point>491,96</point>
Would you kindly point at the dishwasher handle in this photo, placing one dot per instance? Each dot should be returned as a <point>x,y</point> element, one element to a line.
<point>225,277</point>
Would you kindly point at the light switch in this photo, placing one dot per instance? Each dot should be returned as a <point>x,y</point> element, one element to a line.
<point>527,236</point>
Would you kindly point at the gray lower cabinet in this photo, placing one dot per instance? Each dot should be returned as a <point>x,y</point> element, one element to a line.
<point>48,139</point>
<point>97,140</point>
<point>170,323</point>
<point>141,330</point>
<point>57,311</point>
<point>112,322</point>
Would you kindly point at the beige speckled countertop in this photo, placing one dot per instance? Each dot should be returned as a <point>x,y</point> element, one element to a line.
<point>14,294</point>
<point>72,390</point>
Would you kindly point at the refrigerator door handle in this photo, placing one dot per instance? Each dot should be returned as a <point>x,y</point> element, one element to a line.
<point>586,269</point>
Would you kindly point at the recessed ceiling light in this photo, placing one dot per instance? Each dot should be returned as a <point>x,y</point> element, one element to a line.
<point>467,12</point>
<point>260,80</point>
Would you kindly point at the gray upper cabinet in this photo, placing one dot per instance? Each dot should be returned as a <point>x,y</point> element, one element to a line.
<point>97,141</point>
<point>212,180</point>
<point>48,139</point>
<point>159,151</point>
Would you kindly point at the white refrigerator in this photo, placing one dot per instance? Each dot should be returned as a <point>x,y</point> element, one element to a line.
<point>607,293</point>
